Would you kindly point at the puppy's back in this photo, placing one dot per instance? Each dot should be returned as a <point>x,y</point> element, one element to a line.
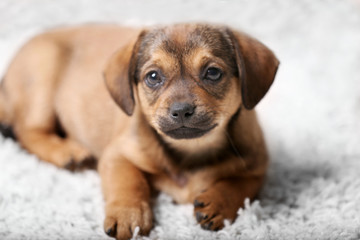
<point>62,67</point>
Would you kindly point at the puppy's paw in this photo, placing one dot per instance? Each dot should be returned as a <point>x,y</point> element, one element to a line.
<point>122,219</point>
<point>88,162</point>
<point>77,158</point>
<point>211,208</point>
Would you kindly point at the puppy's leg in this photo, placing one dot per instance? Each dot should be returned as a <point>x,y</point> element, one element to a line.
<point>223,199</point>
<point>36,131</point>
<point>32,80</point>
<point>127,196</point>
<point>64,153</point>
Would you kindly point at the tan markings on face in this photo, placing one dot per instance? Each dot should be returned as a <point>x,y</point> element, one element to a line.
<point>183,80</point>
<point>224,107</point>
<point>160,61</point>
<point>228,87</point>
<point>153,101</point>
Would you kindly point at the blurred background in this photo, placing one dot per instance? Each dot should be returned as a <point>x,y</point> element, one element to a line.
<point>310,116</point>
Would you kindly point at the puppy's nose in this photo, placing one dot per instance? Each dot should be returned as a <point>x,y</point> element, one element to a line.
<point>181,111</point>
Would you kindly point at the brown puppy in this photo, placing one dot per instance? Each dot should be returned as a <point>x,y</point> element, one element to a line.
<point>173,114</point>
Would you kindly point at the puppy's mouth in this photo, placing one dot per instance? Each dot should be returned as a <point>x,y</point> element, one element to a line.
<point>188,133</point>
<point>184,132</point>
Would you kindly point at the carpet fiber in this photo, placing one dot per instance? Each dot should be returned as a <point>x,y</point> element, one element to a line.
<point>311,119</point>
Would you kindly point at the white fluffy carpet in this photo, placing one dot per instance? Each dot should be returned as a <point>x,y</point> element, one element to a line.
<point>311,118</point>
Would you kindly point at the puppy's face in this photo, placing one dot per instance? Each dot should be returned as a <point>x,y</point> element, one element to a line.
<point>187,81</point>
<point>190,79</point>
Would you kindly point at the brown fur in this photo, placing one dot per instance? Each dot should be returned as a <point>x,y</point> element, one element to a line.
<point>55,82</point>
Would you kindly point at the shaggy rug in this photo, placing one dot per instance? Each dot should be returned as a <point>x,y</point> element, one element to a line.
<point>311,119</point>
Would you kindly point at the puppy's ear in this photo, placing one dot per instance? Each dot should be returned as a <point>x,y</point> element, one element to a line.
<point>257,66</point>
<point>120,75</point>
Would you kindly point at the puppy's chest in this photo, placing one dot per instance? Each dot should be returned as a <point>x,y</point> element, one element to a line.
<point>180,178</point>
<point>174,184</point>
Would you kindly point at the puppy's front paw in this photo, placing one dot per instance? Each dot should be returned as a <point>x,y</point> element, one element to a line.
<point>78,157</point>
<point>122,219</point>
<point>88,162</point>
<point>211,208</point>
<point>70,155</point>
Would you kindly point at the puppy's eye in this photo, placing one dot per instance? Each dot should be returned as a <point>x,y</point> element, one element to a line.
<point>213,74</point>
<point>153,79</point>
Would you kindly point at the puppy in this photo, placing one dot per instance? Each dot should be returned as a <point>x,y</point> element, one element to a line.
<point>165,108</point>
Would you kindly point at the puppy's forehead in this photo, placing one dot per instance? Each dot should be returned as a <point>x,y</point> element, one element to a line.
<point>183,39</point>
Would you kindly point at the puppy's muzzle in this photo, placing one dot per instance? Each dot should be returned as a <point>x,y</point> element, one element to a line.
<point>184,122</point>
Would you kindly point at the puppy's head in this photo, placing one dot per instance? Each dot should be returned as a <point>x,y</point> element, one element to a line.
<point>189,80</point>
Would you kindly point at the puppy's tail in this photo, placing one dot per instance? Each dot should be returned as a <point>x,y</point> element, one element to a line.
<point>5,128</point>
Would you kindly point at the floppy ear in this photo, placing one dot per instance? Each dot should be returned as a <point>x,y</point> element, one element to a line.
<point>257,66</point>
<point>120,75</point>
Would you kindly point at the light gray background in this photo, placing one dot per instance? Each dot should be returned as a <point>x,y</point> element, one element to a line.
<point>311,119</point>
